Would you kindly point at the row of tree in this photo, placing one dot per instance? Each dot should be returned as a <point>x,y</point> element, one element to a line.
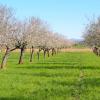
<point>30,33</point>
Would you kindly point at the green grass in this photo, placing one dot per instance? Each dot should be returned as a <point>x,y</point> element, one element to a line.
<point>65,76</point>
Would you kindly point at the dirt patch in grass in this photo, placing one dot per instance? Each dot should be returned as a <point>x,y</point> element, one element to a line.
<point>76,50</point>
<point>63,50</point>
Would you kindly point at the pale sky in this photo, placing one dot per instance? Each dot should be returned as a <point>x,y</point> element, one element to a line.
<point>67,17</point>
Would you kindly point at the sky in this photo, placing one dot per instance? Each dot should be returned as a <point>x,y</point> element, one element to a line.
<point>67,17</point>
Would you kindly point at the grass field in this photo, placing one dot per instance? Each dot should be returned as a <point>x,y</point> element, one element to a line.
<point>65,76</point>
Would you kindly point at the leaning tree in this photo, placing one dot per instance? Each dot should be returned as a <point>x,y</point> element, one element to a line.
<point>7,21</point>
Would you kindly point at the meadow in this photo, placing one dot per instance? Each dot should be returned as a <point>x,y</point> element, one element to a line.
<point>64,76</point>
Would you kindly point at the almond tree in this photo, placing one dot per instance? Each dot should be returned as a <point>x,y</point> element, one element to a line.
<point>92,36</point>
<point>38,31</point>
<point>22,38</point>
<point>34,30</point>
<point>6,31</point>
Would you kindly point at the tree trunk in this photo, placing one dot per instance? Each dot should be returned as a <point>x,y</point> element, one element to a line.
<point>21,56</point>
<point>55,51</point>
<point>52,52</point>
<point>48,53</point>
<point>44,53</point>
<point>31,56</point>
<point>38,54</point>
<point>4,59</point>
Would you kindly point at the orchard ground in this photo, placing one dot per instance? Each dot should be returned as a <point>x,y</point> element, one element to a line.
<point>65,76</point>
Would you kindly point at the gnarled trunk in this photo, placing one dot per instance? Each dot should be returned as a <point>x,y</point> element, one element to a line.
<point>95,50</point>
<point>44,53</point>
<point>21,56</point>
<point>48,53</point>
<point>38,55</point>
<point>57,50</point>
<point>31,55</point>
<point>52,51</point>
<point>4,59</point>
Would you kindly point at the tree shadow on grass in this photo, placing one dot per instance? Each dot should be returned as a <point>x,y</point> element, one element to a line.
<point>90,67</point>
<point>63,83</point>
<point>92,82</point>
<point>51,67</point>
<point>40,74</point>
<point>13,98</point>
<point>68,63</point>
<point>73,66</point>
